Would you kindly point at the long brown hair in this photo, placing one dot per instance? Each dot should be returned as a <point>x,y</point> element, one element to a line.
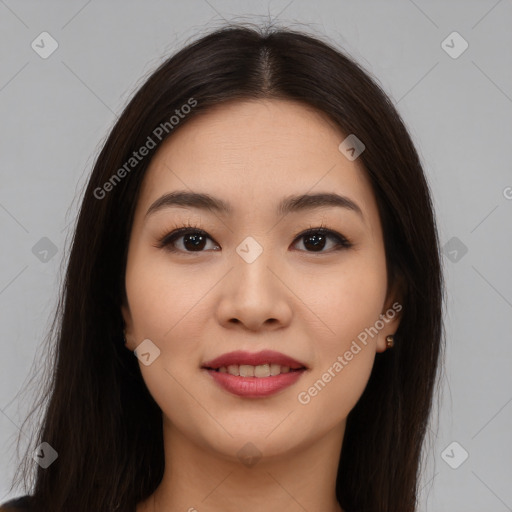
<point>99,415</point>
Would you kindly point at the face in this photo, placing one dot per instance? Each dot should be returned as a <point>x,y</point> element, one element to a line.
<point>257,278</point>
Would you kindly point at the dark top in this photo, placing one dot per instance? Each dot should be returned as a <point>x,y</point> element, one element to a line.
<point>17,505</point>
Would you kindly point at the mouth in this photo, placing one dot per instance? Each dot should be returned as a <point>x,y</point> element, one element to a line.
<point>265,363</point>
<point>261,370</point>
<point>254,375</point>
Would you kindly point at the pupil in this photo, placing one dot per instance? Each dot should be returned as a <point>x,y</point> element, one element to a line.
<point>318,241</point>
<point>197,241</point>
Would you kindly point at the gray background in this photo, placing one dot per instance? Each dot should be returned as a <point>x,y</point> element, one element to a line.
<point>56,112</point>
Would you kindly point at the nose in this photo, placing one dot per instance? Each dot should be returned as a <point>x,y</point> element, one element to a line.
<point>254,295</point>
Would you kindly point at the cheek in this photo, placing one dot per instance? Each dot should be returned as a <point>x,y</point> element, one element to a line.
<point>351,300</point>
<point>166,308</point>
<point>349,304</point>
<point>326,398</point>
<point>159,295</point>
<point>161,305</point>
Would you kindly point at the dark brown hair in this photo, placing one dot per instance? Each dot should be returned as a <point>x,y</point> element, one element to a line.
<point>99,415</point>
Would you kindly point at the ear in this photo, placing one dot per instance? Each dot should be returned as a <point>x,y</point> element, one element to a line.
<point>391,314</point>
<point>128,326</point>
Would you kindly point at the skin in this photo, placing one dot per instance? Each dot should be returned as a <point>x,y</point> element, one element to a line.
<point>310,305</point>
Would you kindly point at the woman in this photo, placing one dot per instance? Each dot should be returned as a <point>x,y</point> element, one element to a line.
<point>258,231</point>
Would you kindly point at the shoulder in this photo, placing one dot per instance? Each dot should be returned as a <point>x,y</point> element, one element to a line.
<point>21,504</point>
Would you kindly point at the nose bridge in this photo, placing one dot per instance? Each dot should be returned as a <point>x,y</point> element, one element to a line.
<point>252,261</point>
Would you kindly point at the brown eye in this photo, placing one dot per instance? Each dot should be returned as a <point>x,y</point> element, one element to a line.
<point>194,240</point>
<point>315,240</point>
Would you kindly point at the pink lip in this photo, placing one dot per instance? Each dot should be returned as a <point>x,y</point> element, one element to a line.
<point>265,356</point>
<point>255,387</point>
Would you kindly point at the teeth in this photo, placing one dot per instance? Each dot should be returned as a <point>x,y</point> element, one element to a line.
<point>263,370</point>
<point>275,369</point>
<point>247,370</point>
<point>233,369</point>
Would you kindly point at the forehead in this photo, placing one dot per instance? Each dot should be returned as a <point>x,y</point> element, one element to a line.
<point>256,152</point>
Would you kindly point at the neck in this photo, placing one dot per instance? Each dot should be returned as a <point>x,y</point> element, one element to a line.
<point>197,479</point>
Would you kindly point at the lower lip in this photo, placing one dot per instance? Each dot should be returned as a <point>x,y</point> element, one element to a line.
<point>255,387</point>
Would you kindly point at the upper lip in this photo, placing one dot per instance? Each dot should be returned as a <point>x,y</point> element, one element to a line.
<point>253,359</point>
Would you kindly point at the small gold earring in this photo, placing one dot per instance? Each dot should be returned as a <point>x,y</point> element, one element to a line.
<point>390,341</point>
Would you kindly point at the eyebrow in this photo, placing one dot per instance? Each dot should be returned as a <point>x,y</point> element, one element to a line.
<point>290,204</point>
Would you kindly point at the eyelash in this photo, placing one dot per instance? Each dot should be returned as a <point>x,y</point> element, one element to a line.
<point>167,240</point>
